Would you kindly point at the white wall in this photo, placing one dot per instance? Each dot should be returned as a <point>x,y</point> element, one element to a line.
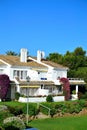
<point>41,99</point>
<point>53,74</point>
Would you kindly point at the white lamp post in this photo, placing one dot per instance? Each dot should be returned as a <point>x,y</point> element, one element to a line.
<point>28,80</point>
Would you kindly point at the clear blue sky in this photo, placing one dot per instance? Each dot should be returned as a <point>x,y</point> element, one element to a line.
<point>47,25</point>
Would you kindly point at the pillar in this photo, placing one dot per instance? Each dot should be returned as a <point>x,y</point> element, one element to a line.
<point>77,91</point>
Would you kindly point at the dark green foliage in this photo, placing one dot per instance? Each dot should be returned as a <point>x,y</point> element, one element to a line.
<point>33,110</point>
<point>49,98</point>
<point>55,57</point>
<point>54,107</point>
<point>52,112</point>
<point>64,107</point>
<point>82,73</point>
<point>10,127</point>
<point>74,60</point>
<point>84,96</point>
<point>12,53</point>
<point>17,95</point>
<point>3,115</point>
<point>1,128</point>
<point>15,110</point>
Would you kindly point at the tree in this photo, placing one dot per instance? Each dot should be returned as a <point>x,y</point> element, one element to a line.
<point>79,52</point>
<point>66,87</point>
<point>4,85</point>
<point>55,57</point>
<point>69,60</point>
<point>11,53</point>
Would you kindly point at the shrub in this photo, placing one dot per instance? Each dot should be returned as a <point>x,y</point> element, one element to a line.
<point>49,98</point>
<point>17,95</point>
<point>15,110</point>
<point>1,128</point>
<point>84,96</point>
<point>13,122</point>
<point>52,112</point>
<point>33,110</point>
<point>81,103</point>
<point>3,107</point>
<point>80,94</point>
<point>4,115</point>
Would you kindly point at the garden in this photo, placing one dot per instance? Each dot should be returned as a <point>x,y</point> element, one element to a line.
<point>60,113</point>
<point>64,115</point>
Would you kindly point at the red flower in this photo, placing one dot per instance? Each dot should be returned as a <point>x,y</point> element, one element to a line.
<point>66,87</point>
<point>4,84</point>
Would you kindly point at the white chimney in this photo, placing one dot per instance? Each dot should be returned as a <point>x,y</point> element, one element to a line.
<point>23,55</point>
<point>38,55</point>
<point>42,54</point>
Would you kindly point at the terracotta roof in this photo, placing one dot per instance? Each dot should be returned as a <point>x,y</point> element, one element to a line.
<point>53,64</point>
<point>1,63</point>
<point>15,61</point>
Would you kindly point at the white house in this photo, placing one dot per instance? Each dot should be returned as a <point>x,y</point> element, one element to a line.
<point>43,74</point>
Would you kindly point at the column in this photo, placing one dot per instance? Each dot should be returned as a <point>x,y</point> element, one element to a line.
<point>77,91</point>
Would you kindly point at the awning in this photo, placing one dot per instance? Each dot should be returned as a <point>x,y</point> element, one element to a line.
<point>29,86</point>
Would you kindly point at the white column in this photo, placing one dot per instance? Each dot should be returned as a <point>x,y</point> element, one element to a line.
<point>77,91</point>
<point>18,88</point>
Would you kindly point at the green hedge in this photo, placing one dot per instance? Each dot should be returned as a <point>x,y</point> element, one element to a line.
<point>64,107</point>
<point>16,108</point>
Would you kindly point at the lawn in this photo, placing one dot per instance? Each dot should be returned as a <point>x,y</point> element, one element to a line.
<point>65,123</point>
<point>62,123</point>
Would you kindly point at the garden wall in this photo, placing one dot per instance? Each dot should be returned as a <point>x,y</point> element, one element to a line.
<point>40,99</point>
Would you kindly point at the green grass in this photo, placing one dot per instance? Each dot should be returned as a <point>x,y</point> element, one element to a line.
<point>65,123</point>
<point>62,123</point>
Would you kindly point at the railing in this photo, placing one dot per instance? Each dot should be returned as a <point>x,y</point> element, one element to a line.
<point>76,79</point>
<point>39,104</point>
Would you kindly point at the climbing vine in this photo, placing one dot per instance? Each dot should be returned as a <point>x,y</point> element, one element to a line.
<point>66,87</point>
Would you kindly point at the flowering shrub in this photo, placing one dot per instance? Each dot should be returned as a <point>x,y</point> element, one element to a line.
<point>3,107</point>
<point>4,84</point>
<point>14,122</point>
<point>66,87</point>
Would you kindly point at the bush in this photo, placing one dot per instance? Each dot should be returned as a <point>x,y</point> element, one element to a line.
<point>49,98</point>
<point>15,110</point>
<point>52,112</point>
<point>3,107</point>
<point>84,96</point>
<point>1,128</point>
<point>33,110</point>
<point>4,115</point>
<point>17,95</point>
<point>13,122</point>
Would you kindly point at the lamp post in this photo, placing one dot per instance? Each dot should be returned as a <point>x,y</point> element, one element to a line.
<point>28,80</point>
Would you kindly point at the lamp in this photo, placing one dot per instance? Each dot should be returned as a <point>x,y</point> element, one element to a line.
<point>28,80</point>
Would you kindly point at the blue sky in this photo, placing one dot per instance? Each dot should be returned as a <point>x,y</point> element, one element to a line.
<point>46,25</point>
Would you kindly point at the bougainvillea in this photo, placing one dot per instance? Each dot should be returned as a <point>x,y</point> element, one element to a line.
<point>66,87</point>
<point>4,85</point>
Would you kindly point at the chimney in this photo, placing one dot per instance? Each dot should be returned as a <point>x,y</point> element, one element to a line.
<point>23,55</point>
<point>39,56</point>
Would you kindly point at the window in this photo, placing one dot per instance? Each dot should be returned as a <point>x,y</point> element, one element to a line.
<point>20,74</point>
